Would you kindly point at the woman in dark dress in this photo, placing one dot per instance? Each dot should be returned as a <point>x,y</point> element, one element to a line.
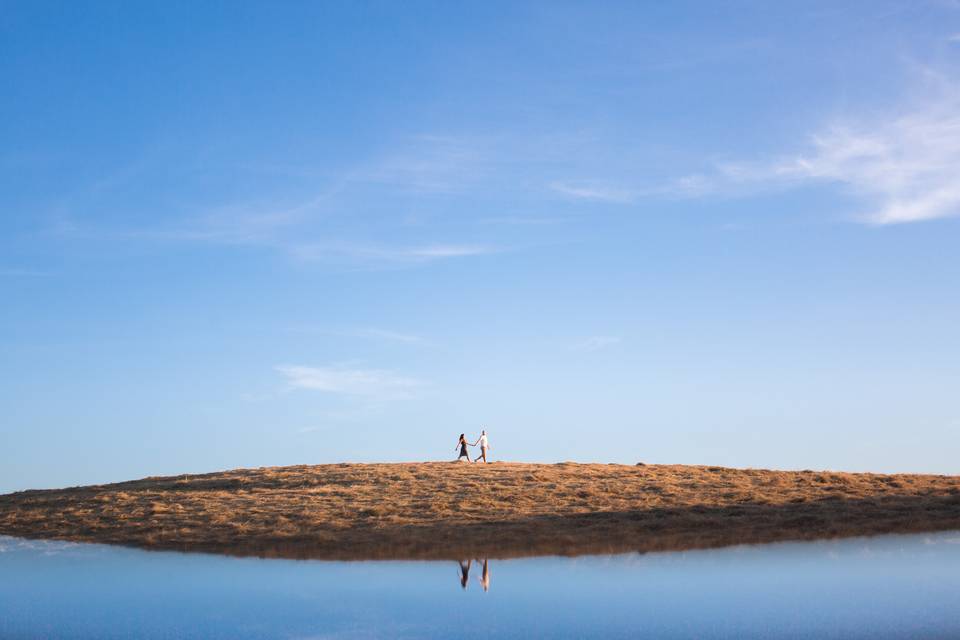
<point>464,573</point>
<point>462,443</point>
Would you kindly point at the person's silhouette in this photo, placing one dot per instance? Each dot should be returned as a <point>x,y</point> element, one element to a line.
<point>485,576</point>
<point>463,444</point>
<point>464,572</point>
<point>484,446</point>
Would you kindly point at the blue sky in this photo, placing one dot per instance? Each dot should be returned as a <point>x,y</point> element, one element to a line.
<point>246,234</point>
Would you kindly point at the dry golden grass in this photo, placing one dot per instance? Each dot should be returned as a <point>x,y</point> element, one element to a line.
<point>451,510</point>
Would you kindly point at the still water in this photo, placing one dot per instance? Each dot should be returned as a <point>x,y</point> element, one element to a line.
<point>885,587</point>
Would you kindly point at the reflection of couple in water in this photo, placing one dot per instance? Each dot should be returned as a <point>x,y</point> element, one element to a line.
<point>465,573</point>
<point>463,444</point>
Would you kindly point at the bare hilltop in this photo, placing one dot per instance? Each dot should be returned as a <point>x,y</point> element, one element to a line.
<point>449,510</point>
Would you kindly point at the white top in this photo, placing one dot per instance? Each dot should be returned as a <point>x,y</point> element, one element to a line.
<point>483,441</point>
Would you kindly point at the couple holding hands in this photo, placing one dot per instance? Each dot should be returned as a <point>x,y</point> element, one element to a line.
<point>463,444</point>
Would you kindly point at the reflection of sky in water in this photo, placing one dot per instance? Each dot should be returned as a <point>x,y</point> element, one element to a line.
<point>890,587</point>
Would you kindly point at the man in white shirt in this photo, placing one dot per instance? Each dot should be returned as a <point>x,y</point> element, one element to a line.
<point>484,445</point>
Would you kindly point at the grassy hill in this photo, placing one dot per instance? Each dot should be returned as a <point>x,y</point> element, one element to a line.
<point>452,510</point>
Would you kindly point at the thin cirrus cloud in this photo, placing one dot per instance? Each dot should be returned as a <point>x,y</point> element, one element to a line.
<point>595,343</point>
<point>446,251</point>
<point>265,231</point>
<point>427,164</point>
<point>386,334</point>
<point>309,429</point>
<point>387,255</point>
<point>907,168</point>
<point>380,384</point>
<point>311,228</point>
<point>596,192</point>
<point>904,168</point>
<point>366,333</point>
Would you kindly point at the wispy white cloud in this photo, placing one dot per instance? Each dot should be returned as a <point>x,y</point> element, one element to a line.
<point>313,429</point>
<point>241,224</point>
<point>385,334</point>
<point>903,167</point>
<point>445,251</point>
<point>284,230</point>
<point>691,186</point>
<point>688,186</point>
<point>378,384</point>
<point>907,168</point>
<point>373,254</point>
<point>594,191</point>
<point>426,164</point>
<point>318,225</point>
<point>595,343</point>
<point>519,220</point>
<point>367,333</point>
